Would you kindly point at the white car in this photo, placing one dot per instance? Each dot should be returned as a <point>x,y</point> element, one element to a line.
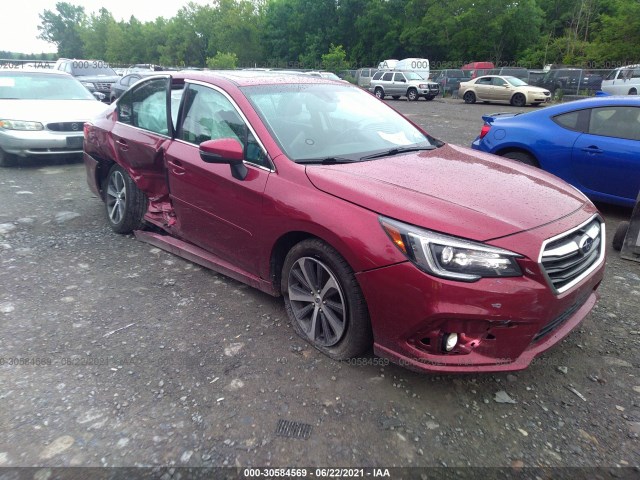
<point>42,114</point>
<point>622,81</point>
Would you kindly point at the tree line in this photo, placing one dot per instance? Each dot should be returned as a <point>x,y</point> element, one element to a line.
<point>356,33</point>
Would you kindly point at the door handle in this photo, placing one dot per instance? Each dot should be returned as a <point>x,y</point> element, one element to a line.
<point>123,145</point>
<point>176,167</point>
<point>592,149</point>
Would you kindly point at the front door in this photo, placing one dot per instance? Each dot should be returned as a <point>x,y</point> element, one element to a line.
<point>214,210</point>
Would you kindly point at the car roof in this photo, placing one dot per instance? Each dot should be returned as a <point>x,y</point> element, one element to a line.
<point>243,78</point>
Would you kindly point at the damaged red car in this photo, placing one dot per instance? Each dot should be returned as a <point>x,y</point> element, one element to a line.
<point>374,233</point>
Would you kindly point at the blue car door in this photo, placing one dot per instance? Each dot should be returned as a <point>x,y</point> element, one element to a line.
<point>606,159</point>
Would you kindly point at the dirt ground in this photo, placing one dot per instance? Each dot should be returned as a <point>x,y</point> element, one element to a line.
<point>115,353</point>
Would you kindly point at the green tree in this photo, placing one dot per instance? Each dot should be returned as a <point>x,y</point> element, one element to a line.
<point>223,61</point>
<point>64,29</point>
<point>95,35</point>
<point>336,59</point>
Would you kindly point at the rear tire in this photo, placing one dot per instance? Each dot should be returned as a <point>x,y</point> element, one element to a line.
<point>522,157</point>
<point>619,235</point>
<point>633,91</point>
<point>324,302</point>
<point>469,97</point>
<point>518,100</point>
<point>125,203</point>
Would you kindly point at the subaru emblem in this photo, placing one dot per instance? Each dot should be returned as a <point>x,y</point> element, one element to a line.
<point>585,244</point>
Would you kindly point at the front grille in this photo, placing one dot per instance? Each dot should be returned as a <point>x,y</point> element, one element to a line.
<point>66,126</point>
<point>571,256</point>
<point>104,87</point>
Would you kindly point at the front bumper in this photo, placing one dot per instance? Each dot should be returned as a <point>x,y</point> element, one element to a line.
<point>41,143</point>
<point>503,324</point>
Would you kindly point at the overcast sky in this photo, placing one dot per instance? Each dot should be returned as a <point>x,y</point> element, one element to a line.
<point>19,20</point>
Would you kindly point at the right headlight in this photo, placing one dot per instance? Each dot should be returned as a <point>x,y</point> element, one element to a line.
<point>6,124</point>
<point>450,257</point>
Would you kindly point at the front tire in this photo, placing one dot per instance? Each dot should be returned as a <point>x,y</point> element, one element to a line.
<point>379,93</point>
<point>412,95</point>
<point>518,100</point>
<point>469,97</point>
<point>6,160</point>
<point>522,157</point>
<point>125,203</point>
<point>324,302</point>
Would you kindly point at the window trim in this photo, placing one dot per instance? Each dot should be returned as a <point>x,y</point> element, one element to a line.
<point>188,82</point>
<point>130,91</point>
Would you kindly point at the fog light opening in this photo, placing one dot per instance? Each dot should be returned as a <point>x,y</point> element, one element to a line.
<point>450,340</point>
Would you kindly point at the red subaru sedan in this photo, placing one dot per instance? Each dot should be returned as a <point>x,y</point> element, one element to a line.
<point>375,233</point>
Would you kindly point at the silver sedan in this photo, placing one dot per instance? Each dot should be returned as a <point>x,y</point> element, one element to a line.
<point>42,114</point>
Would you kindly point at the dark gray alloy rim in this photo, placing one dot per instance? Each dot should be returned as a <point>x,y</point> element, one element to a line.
<point>317,301</point>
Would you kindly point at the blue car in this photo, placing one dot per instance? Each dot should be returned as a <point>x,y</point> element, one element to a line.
<point>594,144</point>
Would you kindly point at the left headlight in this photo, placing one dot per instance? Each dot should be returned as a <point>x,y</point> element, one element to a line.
<point>20,125</point>
<point>450,257</point>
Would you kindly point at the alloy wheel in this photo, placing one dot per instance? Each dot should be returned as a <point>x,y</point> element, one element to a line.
<point>317,301</point>
<point>116,197</point>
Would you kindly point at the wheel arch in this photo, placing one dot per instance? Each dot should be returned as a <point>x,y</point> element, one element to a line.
<point>518,148</point>
<point>103,167</point>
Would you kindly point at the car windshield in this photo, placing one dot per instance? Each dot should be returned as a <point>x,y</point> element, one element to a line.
<point>88,70</point>
<point>515,81</point>
<point>25,86</point>
<point>329,121</point>
<point>413,76</point>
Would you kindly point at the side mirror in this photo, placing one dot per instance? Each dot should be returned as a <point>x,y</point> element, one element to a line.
<point>225,150</point>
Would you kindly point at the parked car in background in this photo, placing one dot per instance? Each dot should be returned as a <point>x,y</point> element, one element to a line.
<point>363,76</point>
<point>477,69</point>
<point>143,67</point>
<point>402,84</point>
<point>449,79</point>
<point>42,113</point>
<point>622,81</point>
<point>124,82</point>
<point>375,233</point>
<point>570,80</point>
<point>492,88</point>
<point>593,144</point>
<point>95,75</point>
<point>324,74</point>
<point>518,72</point>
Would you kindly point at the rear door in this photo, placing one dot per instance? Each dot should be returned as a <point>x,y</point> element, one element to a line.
<point>606,158</point>
<point>483,88</point>
<point>214,210</point>
<point>142,132</point>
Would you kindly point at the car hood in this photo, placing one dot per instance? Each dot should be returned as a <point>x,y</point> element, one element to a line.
<point>46,111</point>
<point>454,190</point>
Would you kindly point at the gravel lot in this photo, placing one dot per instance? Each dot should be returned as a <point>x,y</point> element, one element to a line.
<point>115,353</point>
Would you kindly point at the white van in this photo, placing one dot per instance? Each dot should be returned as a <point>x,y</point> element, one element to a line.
<point>622,81</point>
<point>363,76</point>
